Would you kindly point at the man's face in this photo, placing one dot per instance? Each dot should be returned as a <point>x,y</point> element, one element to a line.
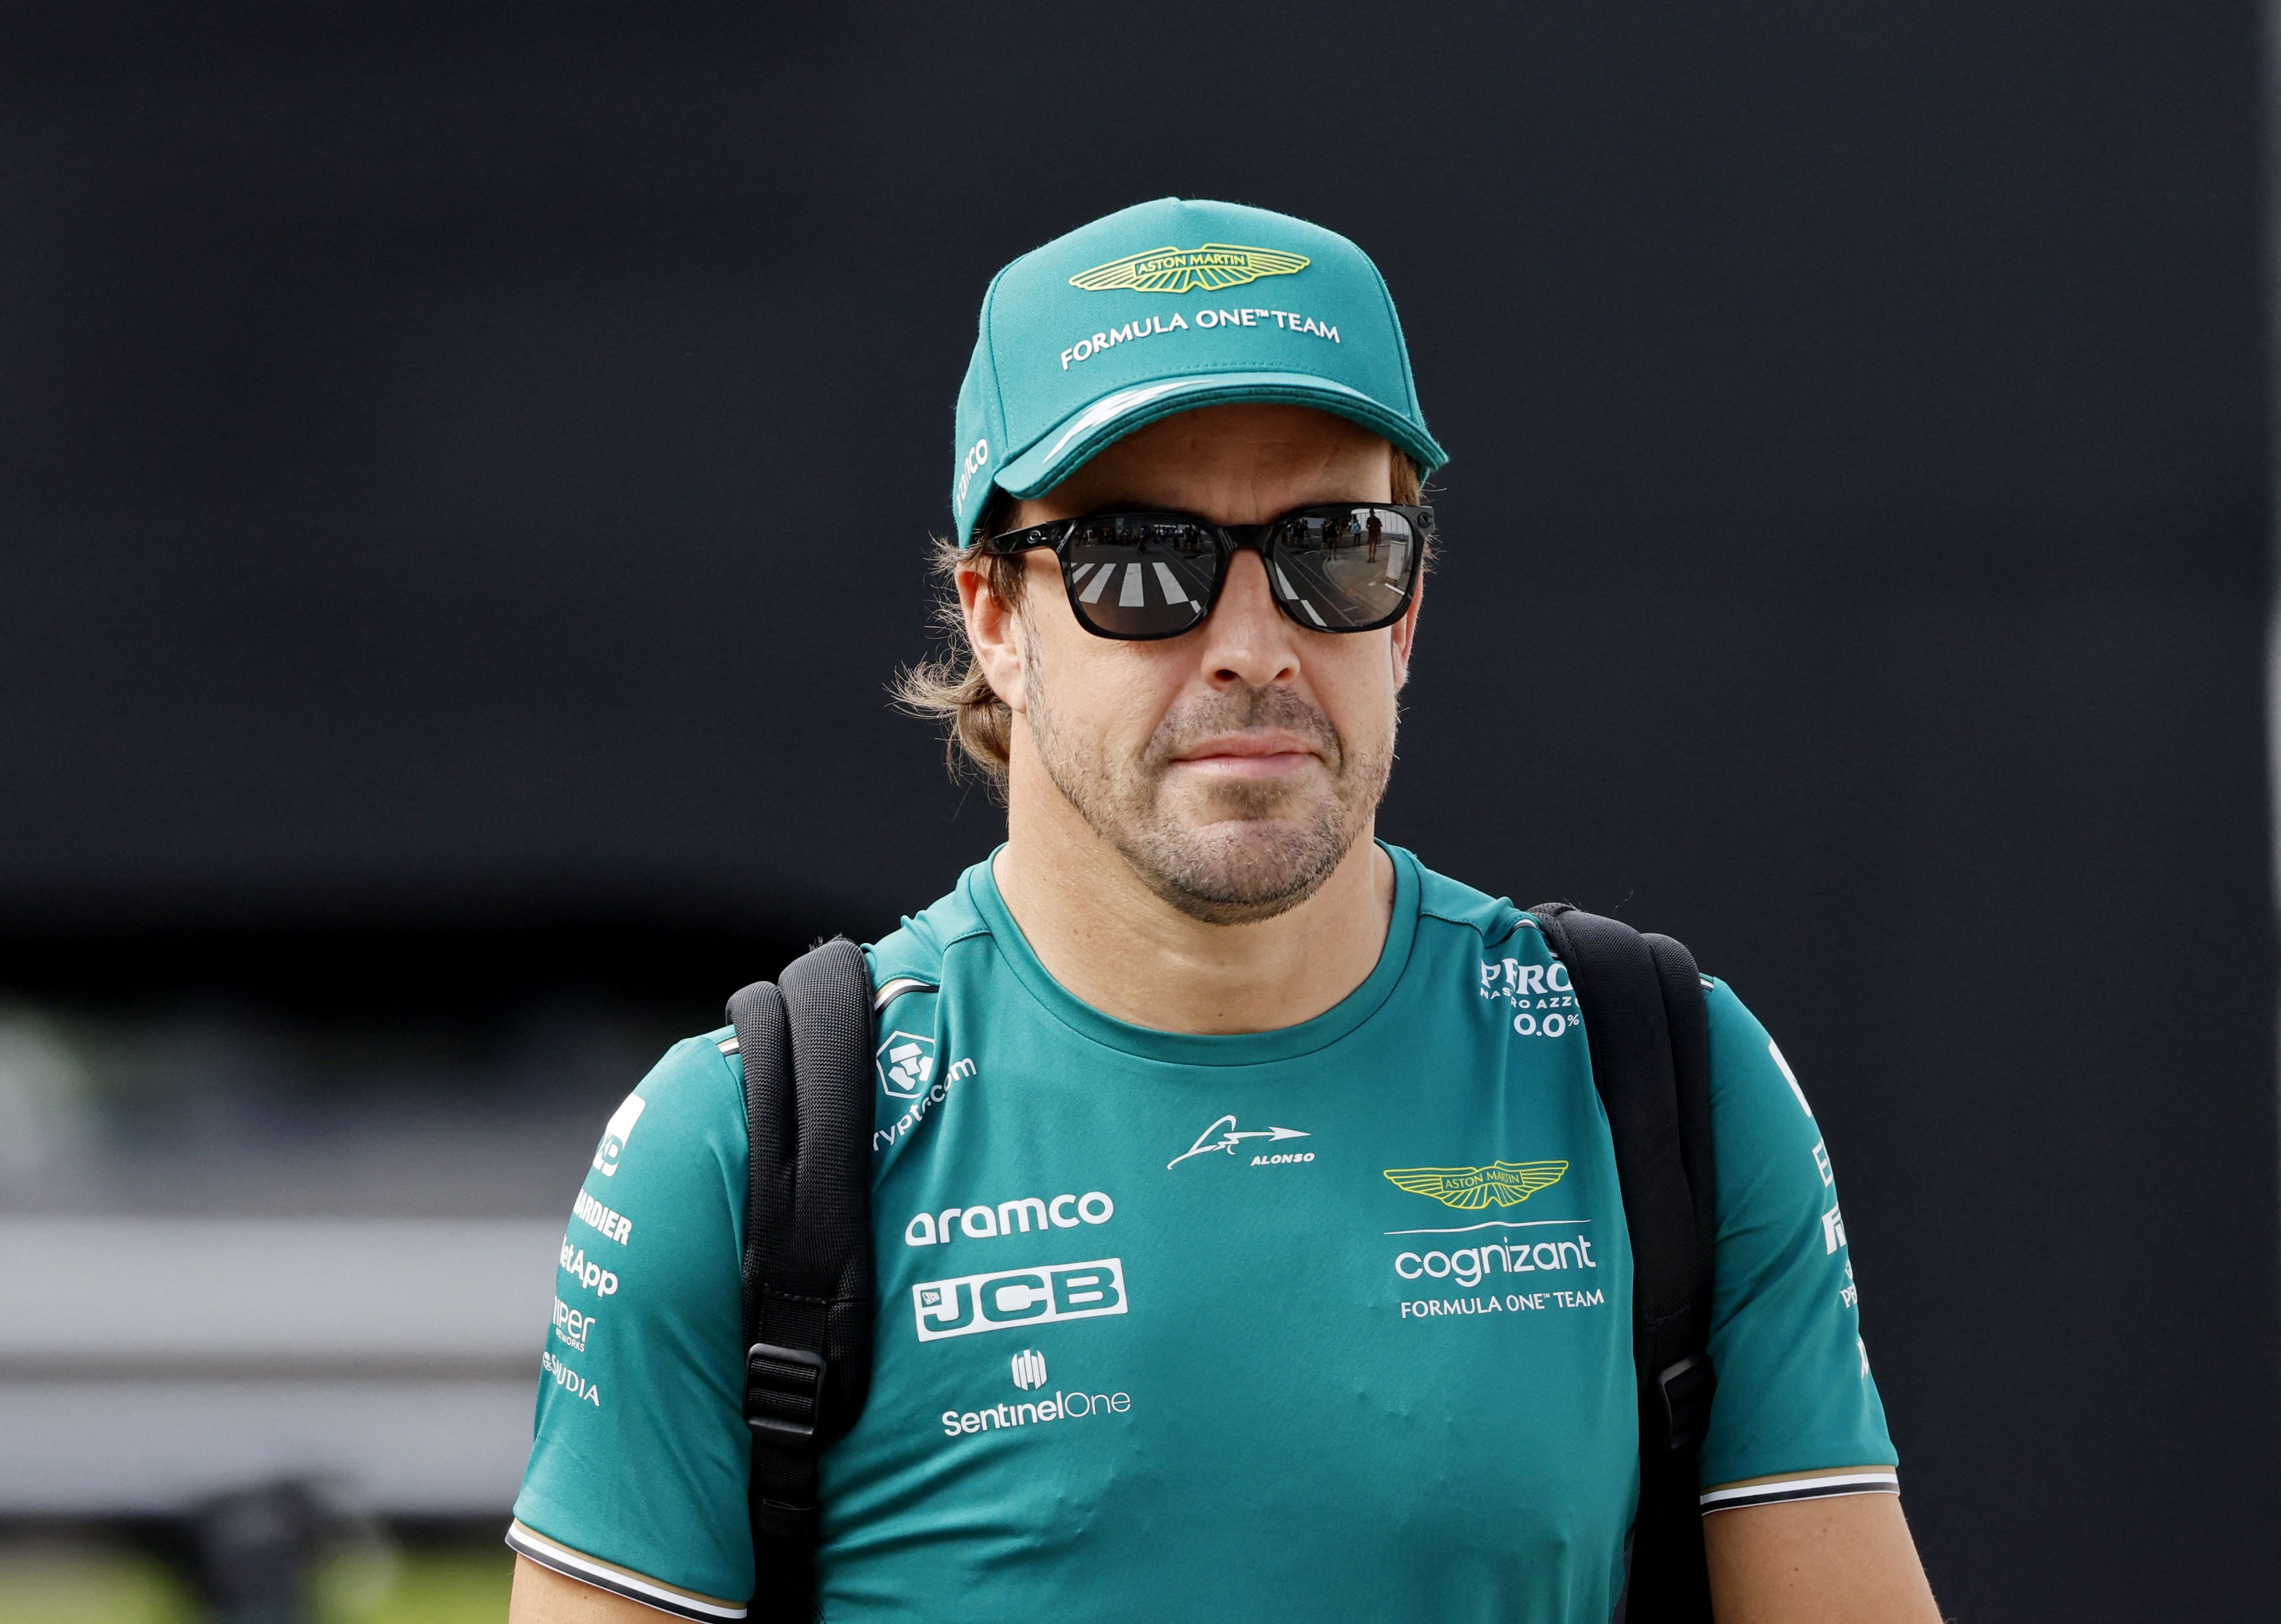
<point>1235,765</point>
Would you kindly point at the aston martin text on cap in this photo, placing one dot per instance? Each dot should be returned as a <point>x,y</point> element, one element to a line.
<point>1165,307</point>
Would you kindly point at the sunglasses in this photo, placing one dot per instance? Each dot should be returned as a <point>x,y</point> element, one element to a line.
<point>1138,574</point>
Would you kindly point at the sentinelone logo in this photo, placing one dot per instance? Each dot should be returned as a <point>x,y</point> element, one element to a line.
<point>977,1303</point>
<point>1029,1370</point>
<point>1060,1407</point>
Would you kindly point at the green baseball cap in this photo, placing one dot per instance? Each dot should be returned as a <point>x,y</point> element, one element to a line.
<point>1165,307</point>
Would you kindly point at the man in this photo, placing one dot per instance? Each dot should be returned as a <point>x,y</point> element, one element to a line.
<point>1249,1238</point>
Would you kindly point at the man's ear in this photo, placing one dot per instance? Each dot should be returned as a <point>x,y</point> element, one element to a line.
<point>1405,632</point>
<point>993,631</point>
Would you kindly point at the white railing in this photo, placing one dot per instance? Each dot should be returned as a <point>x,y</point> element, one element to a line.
<point>148,1363</point>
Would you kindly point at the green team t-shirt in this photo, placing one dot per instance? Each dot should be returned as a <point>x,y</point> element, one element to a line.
<point>1331,1321</point>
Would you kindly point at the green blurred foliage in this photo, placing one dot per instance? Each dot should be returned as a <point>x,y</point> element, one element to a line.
<point>53,1583</point>
<point>72,1583</point>
<point>456,1586</point>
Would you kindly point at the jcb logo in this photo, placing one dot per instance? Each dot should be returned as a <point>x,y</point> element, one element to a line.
<point>977,1303</point>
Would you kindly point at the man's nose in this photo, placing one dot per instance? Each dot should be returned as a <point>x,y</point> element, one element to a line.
<point>1247,639</point>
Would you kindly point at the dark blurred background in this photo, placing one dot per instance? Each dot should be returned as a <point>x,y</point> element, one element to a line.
<point>463,487</point>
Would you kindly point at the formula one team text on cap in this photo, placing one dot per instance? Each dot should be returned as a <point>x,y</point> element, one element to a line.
<point>1290,321</point>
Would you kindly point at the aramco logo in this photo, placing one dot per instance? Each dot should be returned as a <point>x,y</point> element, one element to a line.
<point>1029,1369</point>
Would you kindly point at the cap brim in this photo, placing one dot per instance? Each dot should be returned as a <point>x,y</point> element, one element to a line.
<point>1080,436</point>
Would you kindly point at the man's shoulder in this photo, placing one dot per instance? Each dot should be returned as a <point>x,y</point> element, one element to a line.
<point>917,949</point>
<point>694,1096</point>
<point>1493,919</point>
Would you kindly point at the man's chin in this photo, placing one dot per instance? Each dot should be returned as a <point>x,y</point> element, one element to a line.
<point>1238,870</point>
<point>1251,832</point>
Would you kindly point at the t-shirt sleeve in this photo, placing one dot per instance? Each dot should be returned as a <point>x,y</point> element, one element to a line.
<point>639,1457</point>
<point>1797,1414</point>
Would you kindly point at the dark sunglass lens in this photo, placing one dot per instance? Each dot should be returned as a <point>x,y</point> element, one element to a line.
<point>1345,570</point>
<point>1140,575</point>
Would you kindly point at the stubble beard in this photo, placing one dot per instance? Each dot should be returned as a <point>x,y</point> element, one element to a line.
<point>1260,849</point>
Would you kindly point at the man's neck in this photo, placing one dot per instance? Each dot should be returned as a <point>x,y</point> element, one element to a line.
<point>1118,947</point>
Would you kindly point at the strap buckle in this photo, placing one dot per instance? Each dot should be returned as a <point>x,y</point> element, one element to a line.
<point>783,1392</point>
<point>1684,1389</point>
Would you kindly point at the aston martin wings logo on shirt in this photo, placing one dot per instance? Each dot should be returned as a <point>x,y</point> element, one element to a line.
<point>1506,1183</point>
<point>1177,270</point>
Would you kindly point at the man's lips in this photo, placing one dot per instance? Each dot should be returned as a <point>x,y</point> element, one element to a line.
<point>1248,755</point>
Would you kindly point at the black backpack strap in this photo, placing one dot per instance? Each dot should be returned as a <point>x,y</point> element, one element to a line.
<point>806,1048</point>
<point>1649,1037</point>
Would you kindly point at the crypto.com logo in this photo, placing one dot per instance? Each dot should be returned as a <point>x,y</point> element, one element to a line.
<point>906,1064</point>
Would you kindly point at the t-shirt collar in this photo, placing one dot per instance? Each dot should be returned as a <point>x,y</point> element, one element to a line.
<point>1191,1048</point>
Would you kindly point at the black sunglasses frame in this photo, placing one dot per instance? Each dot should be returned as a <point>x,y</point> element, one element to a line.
<point>1228,539</point>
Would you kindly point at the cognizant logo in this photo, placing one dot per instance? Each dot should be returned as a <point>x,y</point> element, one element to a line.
<point>1004,1301</point>
<point>1469,1265</point>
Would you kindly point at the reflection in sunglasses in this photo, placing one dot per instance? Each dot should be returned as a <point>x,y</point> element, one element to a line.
<point>1156,573</point>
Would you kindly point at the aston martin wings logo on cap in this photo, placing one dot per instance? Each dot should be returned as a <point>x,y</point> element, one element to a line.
<point>1177,270</point>
<point>1506,1183</point>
